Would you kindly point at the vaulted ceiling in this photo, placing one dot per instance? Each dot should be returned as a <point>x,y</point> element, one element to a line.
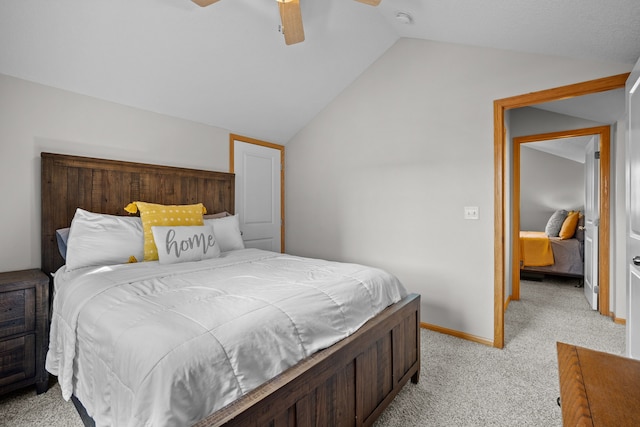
<point>227,64</point>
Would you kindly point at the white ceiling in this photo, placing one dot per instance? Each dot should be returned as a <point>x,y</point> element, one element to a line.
<point>227,65</point>
<point>570,148</point>
<point>604,107</point>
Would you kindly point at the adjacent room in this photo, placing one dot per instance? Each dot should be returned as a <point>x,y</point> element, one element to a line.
<point>322,199</point>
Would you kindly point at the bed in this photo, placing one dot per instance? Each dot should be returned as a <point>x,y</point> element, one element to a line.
<point>559,250</point>
<point>349,382</point>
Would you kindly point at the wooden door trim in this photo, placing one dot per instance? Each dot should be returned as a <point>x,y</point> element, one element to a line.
<point>500,106</point>
<point>604,133</point>
<point>234,137</point>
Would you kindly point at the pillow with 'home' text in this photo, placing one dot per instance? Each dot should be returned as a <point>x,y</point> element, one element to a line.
<point>184,243</point>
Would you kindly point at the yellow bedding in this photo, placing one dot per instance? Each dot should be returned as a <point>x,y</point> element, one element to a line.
<point>535,249</point>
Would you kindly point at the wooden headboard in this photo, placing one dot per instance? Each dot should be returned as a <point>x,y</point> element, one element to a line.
<point>107,186</point>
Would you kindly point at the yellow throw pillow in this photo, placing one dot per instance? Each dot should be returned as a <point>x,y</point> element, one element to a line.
<point>568,226</point>
<point>152,214</point>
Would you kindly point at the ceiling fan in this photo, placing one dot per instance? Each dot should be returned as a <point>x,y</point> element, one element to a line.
<point>290,16</point>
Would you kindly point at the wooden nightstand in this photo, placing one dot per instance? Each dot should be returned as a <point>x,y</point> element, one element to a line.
<point>24,329</point>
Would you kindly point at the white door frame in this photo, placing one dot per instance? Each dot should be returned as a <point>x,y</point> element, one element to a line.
<point>234,137</point>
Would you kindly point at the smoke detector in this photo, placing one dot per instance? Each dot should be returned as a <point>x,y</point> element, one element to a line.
<point>404,18</point>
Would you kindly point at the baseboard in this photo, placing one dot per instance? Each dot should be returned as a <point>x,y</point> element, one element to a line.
<point>470,337</point>
<point>619,320</point>
<point>506,303</point>
<point>456,334</point>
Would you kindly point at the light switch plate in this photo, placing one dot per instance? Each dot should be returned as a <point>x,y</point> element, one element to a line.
<point>471,212</point>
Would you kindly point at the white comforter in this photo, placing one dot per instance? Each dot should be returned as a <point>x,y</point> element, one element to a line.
<point>150,344</point>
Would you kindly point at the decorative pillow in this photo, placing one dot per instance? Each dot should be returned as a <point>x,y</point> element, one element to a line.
<point>62,235</point>
<point>580,228</point>
<point>569,225</point>
<point>227,232</point>
<point>100,239</point>
<point>555,223</point>
<point>217,215</point>
<point>184,244</point>
<point>153,214</point>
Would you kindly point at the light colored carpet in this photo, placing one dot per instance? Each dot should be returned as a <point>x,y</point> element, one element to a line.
<point>461,383</point>
<point>24,408</point>
<point>468,384</point>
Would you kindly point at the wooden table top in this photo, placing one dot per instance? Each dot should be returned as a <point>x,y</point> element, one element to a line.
<point>598,389</point>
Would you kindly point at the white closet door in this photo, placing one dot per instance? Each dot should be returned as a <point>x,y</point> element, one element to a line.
<point>258,195</point>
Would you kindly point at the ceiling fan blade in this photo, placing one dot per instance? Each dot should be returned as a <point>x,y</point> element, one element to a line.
<point>204,3</point>
<point>291,21</point>
<point>370,2</point>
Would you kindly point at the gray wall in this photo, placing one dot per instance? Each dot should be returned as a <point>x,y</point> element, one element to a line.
<point>548,183</point>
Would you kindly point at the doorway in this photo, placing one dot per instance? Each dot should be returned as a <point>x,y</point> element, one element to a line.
<point>603,134</point>
<point>259,170</point>
<point>500,107</point>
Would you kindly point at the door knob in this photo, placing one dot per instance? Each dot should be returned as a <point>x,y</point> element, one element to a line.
<point>636,260</point>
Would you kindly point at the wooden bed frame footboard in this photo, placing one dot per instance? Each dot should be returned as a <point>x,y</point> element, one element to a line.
<point>347,384</point>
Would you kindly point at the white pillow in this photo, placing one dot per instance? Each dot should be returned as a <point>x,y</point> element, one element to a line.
<point>227,231</point>
<point>185,243</point>
<point>100,239</point>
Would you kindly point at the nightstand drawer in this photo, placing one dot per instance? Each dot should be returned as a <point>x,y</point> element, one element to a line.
<point>17,359</point>
<point>24,330</point>
<point>17,311</point>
